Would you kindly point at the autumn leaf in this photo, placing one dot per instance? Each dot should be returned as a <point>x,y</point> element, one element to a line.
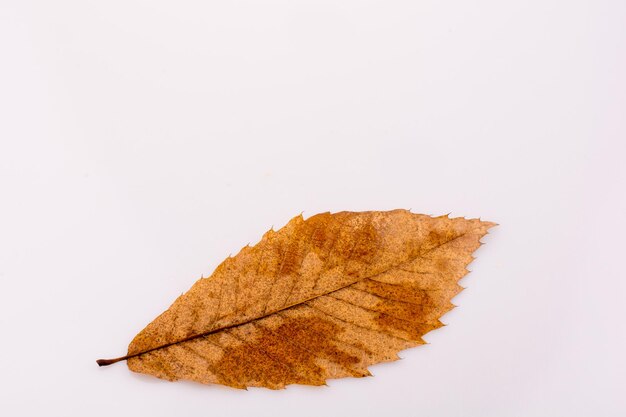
<point>321,298</point>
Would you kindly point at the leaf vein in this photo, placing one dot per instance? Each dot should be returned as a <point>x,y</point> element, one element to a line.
<point>357,325</point>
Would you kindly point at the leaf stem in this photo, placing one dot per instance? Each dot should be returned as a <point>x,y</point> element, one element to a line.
<point>107,362</point>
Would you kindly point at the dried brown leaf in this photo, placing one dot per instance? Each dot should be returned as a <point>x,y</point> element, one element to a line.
<point>321,298</point>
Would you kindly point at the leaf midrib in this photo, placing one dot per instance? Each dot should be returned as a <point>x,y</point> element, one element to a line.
<point>103,362</point>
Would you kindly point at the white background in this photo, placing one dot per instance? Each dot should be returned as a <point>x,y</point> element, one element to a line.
<point>141,142</point>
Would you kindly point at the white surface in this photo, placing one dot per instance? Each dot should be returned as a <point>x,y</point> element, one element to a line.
<point>144,141</point>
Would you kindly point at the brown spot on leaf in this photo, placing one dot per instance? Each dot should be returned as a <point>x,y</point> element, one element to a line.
<point>288,354</point>
<point>405,308</point>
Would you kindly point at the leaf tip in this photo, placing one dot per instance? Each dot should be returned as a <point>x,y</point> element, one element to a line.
<point>488,225</point>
